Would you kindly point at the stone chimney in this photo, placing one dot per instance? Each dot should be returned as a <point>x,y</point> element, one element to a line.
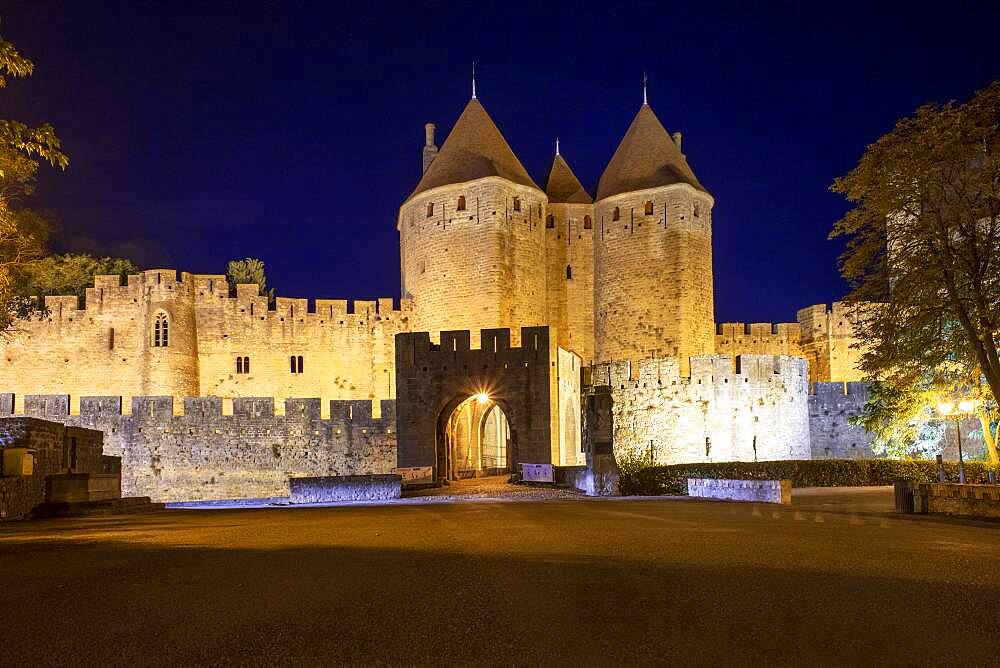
<point>430,149</point>
<point>677,141</point>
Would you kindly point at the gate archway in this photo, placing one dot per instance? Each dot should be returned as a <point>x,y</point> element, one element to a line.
<point>473,439</point>
<point>440,421</point>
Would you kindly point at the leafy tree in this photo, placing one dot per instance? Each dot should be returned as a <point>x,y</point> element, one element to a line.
<point>23,232</point>
<point>68,274</point>
<point>923,252</point>
<point>249,270</point>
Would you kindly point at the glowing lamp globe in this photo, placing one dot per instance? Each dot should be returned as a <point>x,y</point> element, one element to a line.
<point>945,408</point>
<point>966,406</point>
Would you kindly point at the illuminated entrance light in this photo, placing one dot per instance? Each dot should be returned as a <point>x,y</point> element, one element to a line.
<point>482,397</point>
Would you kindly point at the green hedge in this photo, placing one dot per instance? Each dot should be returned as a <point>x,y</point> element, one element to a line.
<point>657,480</point>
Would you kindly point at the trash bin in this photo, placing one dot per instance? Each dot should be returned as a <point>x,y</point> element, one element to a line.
<point>904,496</point>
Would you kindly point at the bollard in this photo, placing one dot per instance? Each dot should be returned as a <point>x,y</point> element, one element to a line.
<point>904,496</point>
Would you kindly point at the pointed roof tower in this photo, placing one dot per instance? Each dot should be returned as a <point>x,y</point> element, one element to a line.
<point>473,150</point>
<point>563,187</point>
<point>646,158</point>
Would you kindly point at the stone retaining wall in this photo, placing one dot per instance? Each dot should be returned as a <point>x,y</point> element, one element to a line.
<point>761,491</point>
<point>333,489</point>
<point>950,499</point>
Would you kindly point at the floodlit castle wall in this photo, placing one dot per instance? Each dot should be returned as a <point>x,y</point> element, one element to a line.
<point>759,411</point>
<point>199,453</point>
<point>828,342</point>
<point>108,347</point>
<point>569,258</point>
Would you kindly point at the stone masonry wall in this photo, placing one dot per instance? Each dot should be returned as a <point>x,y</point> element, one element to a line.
<point>653,275</point>
<point>569,258</point>
<point>757,412</point>
<point>203,454</point>
<point>823,336</point>
<point>831,406</point>
<point>108,347</point>
<point>480,268</point>
<point>51,441</point>
<point>827,341</point>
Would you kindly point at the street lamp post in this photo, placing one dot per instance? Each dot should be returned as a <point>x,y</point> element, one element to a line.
<point>964,408</point>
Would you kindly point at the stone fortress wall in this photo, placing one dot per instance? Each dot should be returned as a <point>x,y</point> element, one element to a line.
<point>748,409</point>
<point>569,259</point>
<point>201,453</point>
<point>831,406</point>
<point>824,336</point>
<point>108,347</point>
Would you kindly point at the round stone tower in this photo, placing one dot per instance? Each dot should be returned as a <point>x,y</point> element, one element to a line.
<point>472,234</point>
<point>653,251</point>
<point>170,348</point>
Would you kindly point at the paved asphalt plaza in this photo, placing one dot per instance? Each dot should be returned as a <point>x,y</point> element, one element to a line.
<point>835,578</point>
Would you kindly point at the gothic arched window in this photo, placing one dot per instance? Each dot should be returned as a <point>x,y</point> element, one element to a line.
<point>161,331</point>
<point>461,203</point>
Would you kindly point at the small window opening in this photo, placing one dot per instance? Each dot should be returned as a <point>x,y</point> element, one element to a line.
<point>161,331</point>
<point>461,203</point>
<point>649,208</point>
<point>569,272</point>
<point>617,214</point>
<point>550,221</point>
<point>111,338</point>
<point>588,224</point>
<point>430,209</point>
<point>517,204</point>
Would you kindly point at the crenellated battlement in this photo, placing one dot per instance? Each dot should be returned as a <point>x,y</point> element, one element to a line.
<point>414,349</point>
<point>213,289</point>
<point>160,408</point>
<point>705,369</point>
<point>857,390</point>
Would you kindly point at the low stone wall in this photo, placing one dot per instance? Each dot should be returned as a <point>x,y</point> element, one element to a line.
<point>332,489</point>
<point>761,491</point>
<point>951,499</point>
<point>56,449</point>
<point>79,487</point>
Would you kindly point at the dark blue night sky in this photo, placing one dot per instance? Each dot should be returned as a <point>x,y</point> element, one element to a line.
<point>293,131</point>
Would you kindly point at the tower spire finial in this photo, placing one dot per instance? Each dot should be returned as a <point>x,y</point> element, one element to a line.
<point>557,145</point>
<point>645,99</point>
<point>473,80</point>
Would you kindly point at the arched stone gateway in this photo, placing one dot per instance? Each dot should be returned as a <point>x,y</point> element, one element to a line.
<point>468,412</point>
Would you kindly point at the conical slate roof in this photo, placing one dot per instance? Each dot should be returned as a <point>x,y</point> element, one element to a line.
<point>474,149</point>
<point>646,158</point>
<point>563,187</point>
